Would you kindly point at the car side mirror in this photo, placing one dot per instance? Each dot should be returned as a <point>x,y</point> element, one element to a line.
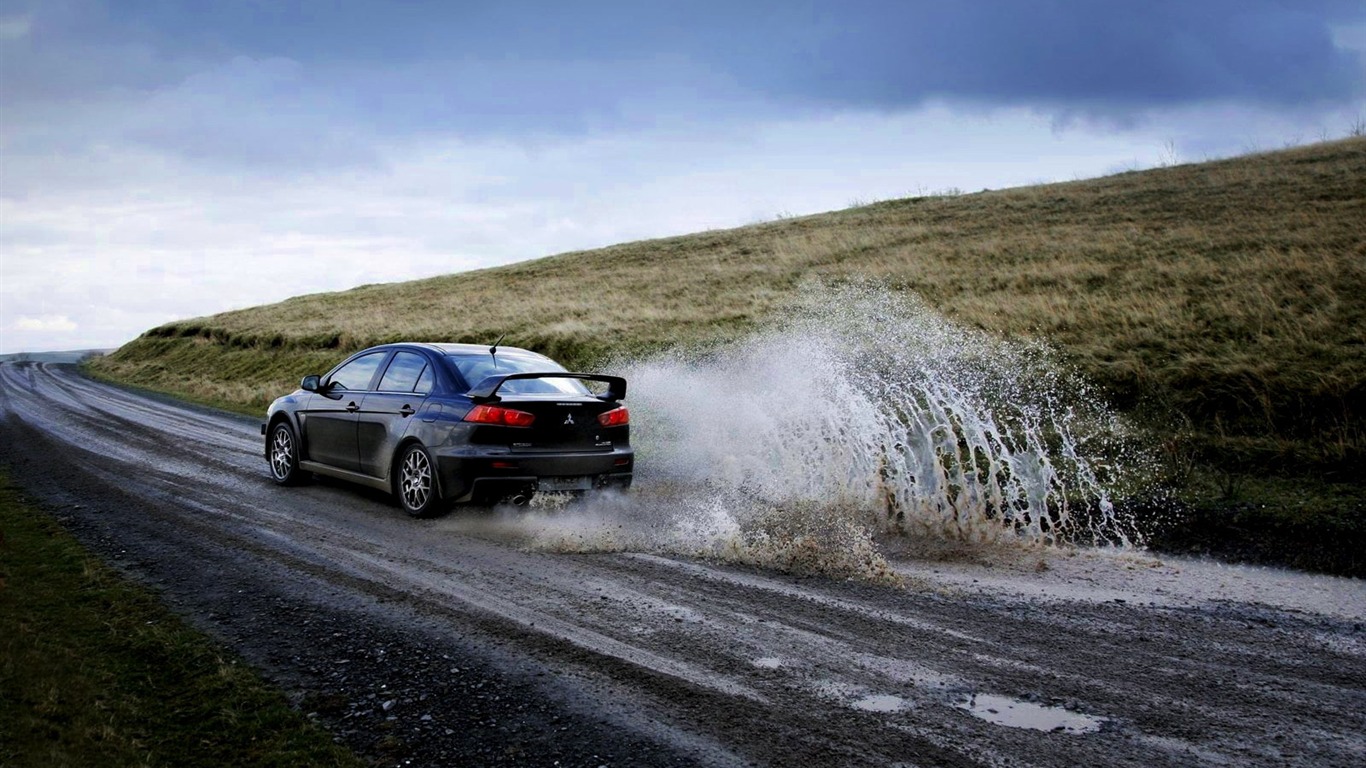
<point>311,383</point>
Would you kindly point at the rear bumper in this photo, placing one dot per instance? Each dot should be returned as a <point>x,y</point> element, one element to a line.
<point>491,476</point>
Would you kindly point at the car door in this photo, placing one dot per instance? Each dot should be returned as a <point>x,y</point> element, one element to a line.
<point>385,414</point>
<point>330,423</point>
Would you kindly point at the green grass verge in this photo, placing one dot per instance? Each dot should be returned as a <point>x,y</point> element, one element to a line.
<point>95,672</point>
<point>1316,526</point>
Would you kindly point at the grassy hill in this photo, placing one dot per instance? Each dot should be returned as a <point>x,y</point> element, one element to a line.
<point>1222,303</point>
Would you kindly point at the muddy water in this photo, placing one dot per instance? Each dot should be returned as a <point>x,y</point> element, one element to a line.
<point>860,417</point>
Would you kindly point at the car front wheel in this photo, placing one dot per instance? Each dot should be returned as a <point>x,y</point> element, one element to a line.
<point>416,482</point>
<point>284,455</point>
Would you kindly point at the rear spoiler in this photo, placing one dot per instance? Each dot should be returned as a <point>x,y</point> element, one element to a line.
<point>487,390</point>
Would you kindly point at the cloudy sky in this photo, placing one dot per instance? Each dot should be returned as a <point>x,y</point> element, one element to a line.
<point>162,159</point>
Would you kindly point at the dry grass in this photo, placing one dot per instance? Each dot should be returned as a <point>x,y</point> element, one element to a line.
<point>1226,297</point>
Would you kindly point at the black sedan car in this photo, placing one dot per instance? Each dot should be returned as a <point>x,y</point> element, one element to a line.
<point>438,424</point>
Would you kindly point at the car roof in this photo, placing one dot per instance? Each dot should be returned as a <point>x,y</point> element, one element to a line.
<point>465,349</point>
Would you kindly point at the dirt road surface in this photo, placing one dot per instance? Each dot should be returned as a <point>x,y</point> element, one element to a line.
<point>441,643</point>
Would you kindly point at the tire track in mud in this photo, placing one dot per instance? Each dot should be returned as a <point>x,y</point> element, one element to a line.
<point>653,659</point>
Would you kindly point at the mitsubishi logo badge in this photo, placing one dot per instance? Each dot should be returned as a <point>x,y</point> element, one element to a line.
<point>569,420</point>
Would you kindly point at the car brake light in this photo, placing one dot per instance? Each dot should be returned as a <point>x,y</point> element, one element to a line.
<point>492,414</point>
<point>616,417</point>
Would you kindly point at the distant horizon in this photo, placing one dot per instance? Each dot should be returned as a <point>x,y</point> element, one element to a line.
<point>38,352</point>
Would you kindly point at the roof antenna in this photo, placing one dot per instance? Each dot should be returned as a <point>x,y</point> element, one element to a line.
<point>493,350</point>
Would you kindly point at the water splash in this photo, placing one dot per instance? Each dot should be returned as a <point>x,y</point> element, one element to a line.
<point>862,415</point>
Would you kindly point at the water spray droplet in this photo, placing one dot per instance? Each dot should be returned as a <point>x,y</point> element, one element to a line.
<point>861,414</point>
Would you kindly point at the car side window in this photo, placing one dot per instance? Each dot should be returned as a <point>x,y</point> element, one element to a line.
<point>404,373</point>
<point>424,382</point>
<point>356,375</point>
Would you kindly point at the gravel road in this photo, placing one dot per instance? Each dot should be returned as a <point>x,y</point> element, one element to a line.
<point>446,642</point>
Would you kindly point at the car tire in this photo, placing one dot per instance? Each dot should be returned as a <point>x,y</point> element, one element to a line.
<point>415,484</point>
<point>283,455</point>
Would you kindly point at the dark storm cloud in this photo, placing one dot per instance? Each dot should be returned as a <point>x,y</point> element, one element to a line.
<point>292,77</point>
<point>70,50</point>
<point>1145,52</point>
<point>1088,54</point>
<point>1066,52</point>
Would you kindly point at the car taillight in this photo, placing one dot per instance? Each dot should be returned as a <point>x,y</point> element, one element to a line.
<point>615,418</point>
<point>506,417</point>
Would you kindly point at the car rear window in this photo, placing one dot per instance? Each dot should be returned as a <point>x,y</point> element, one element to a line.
<point>475,368</point>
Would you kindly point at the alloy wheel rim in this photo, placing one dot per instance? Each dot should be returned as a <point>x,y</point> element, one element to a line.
<point>282,453</point>
<point>416,479</point>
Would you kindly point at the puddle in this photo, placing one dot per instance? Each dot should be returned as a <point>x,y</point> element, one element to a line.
<point>1003,710</point>
<point>880,704</point>
<point>768,662</point>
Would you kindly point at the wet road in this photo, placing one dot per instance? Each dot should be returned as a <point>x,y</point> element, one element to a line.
<point>652,658</point>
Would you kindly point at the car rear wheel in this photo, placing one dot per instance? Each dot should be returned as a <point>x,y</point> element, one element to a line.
<point>284,455</point>
<point>415,484</point>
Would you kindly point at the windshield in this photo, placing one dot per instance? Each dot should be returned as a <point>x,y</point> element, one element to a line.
<point>475,368</point>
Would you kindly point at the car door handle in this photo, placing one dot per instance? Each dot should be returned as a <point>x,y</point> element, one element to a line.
<point>407,410</point>
<point>352,407</point>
